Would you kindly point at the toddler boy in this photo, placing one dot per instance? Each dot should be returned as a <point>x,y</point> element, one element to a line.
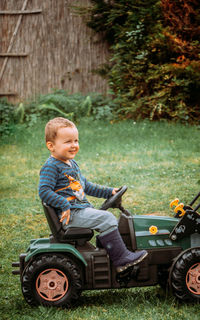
<point>63,187</point>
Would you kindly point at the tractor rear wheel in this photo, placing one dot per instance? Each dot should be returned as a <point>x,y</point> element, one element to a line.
<point>185,276</point>
<point>52,280</point>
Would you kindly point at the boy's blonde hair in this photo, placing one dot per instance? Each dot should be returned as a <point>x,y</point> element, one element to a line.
<point>53,125</point>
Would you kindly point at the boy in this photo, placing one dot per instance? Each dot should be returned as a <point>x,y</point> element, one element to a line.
<point>63,187</point>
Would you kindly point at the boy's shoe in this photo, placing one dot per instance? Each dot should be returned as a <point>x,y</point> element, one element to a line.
<point>139,256</point>
<point>121,257</point>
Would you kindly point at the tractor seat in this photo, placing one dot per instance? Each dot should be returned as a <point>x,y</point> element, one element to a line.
<point>77,235</point>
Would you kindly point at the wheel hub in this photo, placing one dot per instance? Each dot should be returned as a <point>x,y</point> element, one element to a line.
<point>193,279</point>
<point>52,284</point>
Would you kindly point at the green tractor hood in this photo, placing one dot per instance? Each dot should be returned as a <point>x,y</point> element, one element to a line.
<point>152,232</point>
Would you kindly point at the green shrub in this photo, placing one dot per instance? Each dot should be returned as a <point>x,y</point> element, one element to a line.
<point>74,106</point>
<point>55,104</point>
<point>6,116</point>
<point>154,71</point>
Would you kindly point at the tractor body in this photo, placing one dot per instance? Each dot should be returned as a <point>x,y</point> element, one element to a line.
<point>54,270</point>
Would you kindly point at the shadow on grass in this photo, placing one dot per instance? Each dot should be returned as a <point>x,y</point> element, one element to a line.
<point>153,295</point>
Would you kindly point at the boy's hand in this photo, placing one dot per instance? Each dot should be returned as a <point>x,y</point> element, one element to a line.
<point>65,214</point>
<point>115,191</point>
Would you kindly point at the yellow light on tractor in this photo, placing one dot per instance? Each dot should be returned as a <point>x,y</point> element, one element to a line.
<point>153,229</point>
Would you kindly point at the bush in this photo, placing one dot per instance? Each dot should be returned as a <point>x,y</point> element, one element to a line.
<point>74,106</point>
<point>57,103</point>
<point>6,116</point>
<point>154,71</point>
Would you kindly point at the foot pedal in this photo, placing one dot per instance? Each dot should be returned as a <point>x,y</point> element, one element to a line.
<point>123,278</point>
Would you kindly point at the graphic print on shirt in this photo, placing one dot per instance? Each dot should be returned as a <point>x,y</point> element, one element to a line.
<point>76,187</point>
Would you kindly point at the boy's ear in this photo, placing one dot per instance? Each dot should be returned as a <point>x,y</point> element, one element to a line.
<point>49,145</point>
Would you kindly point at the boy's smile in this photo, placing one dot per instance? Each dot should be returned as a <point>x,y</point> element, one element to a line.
<point>66,145</point>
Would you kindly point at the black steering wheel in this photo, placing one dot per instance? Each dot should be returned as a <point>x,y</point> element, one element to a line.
<point>115,200</point>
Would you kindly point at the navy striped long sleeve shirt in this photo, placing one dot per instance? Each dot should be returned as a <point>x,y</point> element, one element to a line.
<point>63,187</point>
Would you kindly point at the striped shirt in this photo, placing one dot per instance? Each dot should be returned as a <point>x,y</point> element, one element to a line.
<point>63,187</point>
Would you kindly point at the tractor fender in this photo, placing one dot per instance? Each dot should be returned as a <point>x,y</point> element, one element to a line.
<point>40,246</point>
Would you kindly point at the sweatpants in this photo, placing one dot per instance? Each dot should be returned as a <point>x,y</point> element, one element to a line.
<point>99,220</point>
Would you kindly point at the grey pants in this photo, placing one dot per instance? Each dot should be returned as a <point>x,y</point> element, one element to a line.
<point>99,220</point>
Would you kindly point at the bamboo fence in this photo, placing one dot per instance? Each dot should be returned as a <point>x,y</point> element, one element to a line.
<point>45,45</point>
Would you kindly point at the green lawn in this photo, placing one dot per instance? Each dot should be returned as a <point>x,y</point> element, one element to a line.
<point>157,161</point>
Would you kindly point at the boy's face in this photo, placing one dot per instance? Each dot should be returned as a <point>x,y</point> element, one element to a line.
<point>65,146</point>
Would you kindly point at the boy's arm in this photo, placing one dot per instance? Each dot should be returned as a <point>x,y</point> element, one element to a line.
<point>48,178</point>
<point>96,190</point>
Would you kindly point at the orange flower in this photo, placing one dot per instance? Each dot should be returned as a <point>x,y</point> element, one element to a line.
<point>180,58</point>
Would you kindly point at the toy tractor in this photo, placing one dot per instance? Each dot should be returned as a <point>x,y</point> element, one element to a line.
<point>55,270</point>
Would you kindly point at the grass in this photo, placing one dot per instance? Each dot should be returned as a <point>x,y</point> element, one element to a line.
<point>157,161</point>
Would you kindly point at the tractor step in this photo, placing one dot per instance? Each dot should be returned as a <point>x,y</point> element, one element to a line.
<point>101,271</point>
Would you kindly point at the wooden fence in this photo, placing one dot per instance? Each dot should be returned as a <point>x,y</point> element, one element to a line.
<point>45,45</point>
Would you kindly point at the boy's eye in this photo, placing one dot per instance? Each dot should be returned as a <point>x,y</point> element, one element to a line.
<point>76,141</point>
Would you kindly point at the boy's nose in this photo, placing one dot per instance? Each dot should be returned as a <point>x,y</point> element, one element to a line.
<point>74,144</point>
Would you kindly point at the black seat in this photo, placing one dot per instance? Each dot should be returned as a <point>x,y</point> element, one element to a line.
<point>77,235</point>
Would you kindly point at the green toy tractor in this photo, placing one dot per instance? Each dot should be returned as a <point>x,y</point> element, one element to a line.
<point>55,270</point>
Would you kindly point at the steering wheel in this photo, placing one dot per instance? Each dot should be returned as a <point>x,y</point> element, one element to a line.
<point>115,200</point>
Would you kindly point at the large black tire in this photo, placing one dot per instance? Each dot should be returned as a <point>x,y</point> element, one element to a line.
<point>184,277</point>
<point>52,280</point>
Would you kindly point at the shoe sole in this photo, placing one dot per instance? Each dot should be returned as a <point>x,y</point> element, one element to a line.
<point>131,264</point>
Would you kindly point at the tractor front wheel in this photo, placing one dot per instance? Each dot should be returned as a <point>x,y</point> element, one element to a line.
<point>52,280</point>
<point>185,276</point>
